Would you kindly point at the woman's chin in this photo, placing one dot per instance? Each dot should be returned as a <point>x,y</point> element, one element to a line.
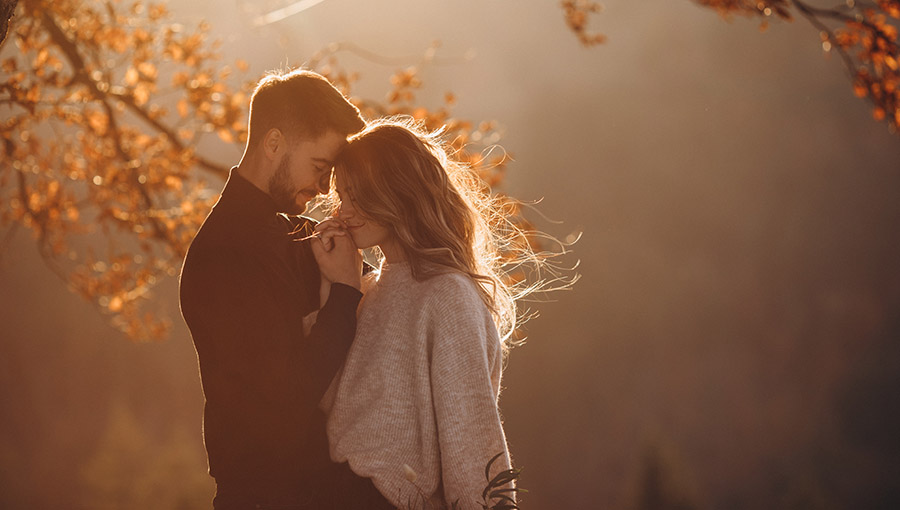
<point>360,244</point>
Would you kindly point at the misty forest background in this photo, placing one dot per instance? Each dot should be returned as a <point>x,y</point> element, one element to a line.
<point>732,343</point>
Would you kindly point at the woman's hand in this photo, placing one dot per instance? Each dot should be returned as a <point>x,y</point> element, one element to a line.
<point>337,256</point>
<point>328,229</point>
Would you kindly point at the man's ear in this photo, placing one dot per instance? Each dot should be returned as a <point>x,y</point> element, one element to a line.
<point>273,144</point>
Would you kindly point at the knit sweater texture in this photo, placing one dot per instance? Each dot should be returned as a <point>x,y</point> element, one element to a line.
<point>420,387</point>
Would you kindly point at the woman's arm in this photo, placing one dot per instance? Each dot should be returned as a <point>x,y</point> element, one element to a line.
<point>465,372</point>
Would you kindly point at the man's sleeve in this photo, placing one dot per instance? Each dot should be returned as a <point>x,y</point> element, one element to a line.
<point>332,333</point>
<point>331,336</point>
<point>251,354</point>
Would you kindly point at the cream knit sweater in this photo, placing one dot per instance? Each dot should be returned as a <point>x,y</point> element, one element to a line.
<point>420,387</point>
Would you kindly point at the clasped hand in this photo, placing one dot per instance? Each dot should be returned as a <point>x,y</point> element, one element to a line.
<point>338,258</point>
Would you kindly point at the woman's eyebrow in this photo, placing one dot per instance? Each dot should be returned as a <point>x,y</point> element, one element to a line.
<point>324,161</point>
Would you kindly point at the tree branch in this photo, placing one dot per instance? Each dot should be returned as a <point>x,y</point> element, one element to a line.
<point>810,16</point>
<point>70,50</point>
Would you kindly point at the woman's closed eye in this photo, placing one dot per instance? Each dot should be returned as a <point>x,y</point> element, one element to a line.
<point>345,195</point>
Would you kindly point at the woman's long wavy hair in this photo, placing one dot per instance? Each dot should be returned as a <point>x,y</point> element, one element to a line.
<point>440,212</point>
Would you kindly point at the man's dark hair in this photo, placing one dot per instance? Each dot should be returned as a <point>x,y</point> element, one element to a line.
<point>300,103</point>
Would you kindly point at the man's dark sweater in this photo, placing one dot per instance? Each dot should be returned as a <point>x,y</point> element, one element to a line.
<point>246,284</point>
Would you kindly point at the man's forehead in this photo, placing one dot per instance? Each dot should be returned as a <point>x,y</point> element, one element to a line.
<point>326,147</point>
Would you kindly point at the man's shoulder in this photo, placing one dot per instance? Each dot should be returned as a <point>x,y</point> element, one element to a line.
<point>210,252</point>
<point>208,243</point>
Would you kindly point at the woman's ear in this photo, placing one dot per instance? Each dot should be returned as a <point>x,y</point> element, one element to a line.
<point>273,144</point>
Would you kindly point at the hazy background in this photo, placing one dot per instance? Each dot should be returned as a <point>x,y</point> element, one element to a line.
<point>735,331</point>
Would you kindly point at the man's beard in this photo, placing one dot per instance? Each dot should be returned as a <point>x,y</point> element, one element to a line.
<point>281,189</point>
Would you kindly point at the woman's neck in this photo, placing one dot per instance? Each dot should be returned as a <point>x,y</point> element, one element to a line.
<point>392,251</point>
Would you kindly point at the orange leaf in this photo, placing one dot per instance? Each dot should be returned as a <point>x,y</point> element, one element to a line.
<point>131,76</point>
<point>147,69</point>
<point>98,121</point>
<point>225,135</point>
<point>141,94</point>
<point>115,304</point>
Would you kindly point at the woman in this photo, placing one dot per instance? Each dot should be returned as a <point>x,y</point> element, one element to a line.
<point>415,405</point>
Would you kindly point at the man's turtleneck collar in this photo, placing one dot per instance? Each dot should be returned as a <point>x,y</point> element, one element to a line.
<point>246,199</point>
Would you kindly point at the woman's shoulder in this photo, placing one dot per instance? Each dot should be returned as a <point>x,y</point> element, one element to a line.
<point>452,283</point>
<point>453,290</point>
<point>461,319</point>
<point>438,290</point>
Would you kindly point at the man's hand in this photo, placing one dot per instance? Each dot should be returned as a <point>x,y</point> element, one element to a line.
<point>340,262</point>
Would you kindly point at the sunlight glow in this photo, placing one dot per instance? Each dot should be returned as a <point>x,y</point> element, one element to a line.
<point>285,12</point>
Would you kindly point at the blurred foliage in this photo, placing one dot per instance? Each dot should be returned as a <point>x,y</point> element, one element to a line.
<point>659,485</point>
<point>862,33</point>
<point>499,492</point>
<point>129,469</point>
<point>7,8</point>
<point>577,14</point>
<point>869,418</point>
<point>105,105</point>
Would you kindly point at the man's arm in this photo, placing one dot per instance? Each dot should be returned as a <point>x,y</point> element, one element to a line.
<point>331,336</point>
<point>253,413</point>
<point>252,351</point>
<point>336,321</point>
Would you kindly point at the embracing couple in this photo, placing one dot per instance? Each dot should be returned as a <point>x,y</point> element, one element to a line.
<point>326,387</point>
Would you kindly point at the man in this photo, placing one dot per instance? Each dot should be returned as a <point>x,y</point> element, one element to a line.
<point>248,279</point>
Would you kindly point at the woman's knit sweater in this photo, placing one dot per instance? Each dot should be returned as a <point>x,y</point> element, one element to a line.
<point>420,388</point>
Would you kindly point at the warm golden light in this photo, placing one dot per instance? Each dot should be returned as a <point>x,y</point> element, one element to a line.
<point>732,340</point>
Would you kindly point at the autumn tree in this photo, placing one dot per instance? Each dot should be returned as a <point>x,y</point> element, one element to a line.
<point>104,106</point>
<point>7,8</point>
<point>577,15</point>
<point>862,33</point>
